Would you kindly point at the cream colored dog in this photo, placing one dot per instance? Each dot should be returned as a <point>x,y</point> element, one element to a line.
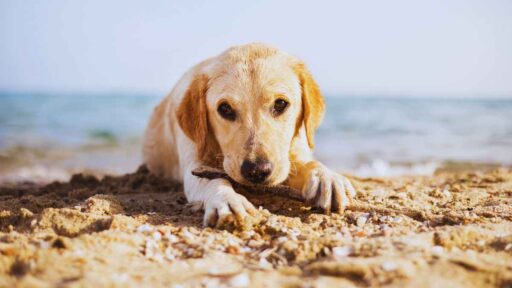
<point>251,111</point>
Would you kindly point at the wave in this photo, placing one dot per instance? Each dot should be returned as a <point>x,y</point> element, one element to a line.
<point>382,168</point>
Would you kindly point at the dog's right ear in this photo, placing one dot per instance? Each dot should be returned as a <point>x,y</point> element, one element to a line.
<point>192,113</point>
<point>313,105</point>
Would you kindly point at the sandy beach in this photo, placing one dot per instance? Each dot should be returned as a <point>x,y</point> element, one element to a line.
<point>453,229</point>
<point>410,101</point>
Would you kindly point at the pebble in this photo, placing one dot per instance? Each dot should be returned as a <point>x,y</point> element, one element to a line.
<point>255,243</point>
<point>158,257</point>
<point>168,254</point>
<point>389,266</point>
<point>144,228</point>
<point>294,234</point>
<point>342,251</point>
<point>190,252</point>
<point>264,264</point>
<point>233,250</point>
<point>438,250</point>
<point>232,242</point>
<point>156,236</point>
<point>150,248</point>
<point>245,249</point>
<point>188,236</point>
<point>240,280</point>
<point>397,219</point>
<point>171,238</point>
<point>282,239</point>
<point>248,234</point>
<point>361,220</point>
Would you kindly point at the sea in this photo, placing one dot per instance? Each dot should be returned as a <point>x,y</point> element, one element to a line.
<point>51,135</point>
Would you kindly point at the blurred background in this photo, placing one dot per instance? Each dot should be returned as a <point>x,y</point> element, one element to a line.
<point>411,86</point>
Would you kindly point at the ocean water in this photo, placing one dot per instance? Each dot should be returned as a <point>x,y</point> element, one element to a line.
<point>375,135</point>
<point>362,135</point>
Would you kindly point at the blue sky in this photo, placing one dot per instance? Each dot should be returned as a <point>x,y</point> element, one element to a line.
<point>411,48</point>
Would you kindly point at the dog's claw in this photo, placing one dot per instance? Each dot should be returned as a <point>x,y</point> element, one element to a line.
<point>225,207</point>
<point>328,190</point>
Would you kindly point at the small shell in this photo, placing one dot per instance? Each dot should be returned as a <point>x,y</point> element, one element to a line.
<point>240,280</point>
<point>388,266</point>
<point>343,251</point>
<point>361,220</point>
<point>156,236</point>
<point>145,228</point>
<point>438,250</point>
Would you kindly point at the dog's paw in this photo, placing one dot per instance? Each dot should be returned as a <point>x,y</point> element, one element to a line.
<point>327,189</point>
<point>226,206</point>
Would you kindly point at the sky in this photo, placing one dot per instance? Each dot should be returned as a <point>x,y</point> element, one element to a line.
<point>457,48</point>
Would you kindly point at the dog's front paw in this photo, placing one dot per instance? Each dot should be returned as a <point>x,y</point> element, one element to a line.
<point>225,205</point>
<point>327,189</point>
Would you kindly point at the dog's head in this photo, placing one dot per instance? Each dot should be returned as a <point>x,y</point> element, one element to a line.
<point>246,109</point>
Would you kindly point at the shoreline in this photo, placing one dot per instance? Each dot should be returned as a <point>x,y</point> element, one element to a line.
<point>43,165</point>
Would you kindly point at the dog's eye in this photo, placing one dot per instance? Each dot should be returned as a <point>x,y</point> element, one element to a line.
<point>280,106</point>
<point>226,111</point>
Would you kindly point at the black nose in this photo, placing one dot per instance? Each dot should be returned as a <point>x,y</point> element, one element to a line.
<point>256,171</point>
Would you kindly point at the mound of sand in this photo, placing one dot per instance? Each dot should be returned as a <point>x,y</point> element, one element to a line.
<point>447,230</point>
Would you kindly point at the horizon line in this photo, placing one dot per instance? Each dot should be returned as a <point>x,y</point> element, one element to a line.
<point>383,95</point>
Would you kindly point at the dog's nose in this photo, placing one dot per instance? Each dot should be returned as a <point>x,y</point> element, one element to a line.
<point>256,171</point>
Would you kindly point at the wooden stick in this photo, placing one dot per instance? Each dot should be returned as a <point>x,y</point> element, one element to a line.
<point>280,190</point>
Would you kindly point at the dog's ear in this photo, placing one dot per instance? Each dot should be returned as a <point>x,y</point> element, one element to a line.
<point>313,105</point>
<point>192,114</point>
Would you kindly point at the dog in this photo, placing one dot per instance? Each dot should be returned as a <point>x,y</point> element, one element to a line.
<point>251,111</point>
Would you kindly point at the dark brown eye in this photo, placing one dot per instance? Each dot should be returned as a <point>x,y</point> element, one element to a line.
<point>280,106</point>
<point>226,111</point>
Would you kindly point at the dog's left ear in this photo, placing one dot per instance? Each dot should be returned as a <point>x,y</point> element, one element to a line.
<point>313,105</point>
<point>192,114</point>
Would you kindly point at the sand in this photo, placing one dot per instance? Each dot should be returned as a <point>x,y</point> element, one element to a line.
<point>447,230</point>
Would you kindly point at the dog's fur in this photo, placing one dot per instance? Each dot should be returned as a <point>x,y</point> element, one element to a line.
<point>186,131</point>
